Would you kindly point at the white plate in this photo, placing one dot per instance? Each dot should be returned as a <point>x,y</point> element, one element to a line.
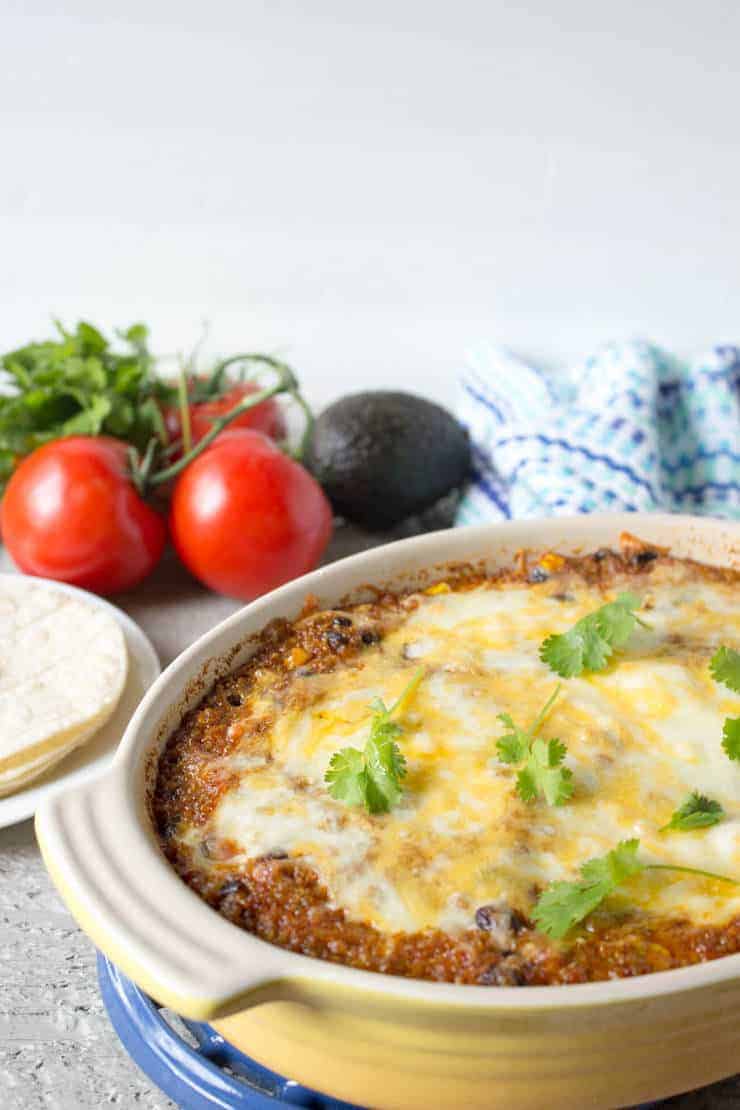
<point>93,757</point>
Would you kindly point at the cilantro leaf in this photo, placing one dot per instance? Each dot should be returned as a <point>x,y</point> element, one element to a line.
<point>384,762</point>
<point>526,785</point>
<point>513,746</point>
<point>589,644</point>
<point>616,620</point>
<point>564,653</point>
<point>725,668</point>
<point>346,776</point>
<point>565,904</point>
<point>731,737</point>
<point>696,812</point>
<point>543,773</point>
<point>372,777</point>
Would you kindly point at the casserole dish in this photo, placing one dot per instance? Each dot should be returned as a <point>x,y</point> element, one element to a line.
<point>374,1039</point>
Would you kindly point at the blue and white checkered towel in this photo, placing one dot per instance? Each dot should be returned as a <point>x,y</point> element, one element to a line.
<point>633,429</point>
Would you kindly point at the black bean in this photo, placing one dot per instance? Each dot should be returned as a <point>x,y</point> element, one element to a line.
<point>369,637</point>
<point>601,554</point>
<point>216,848</point>
<point>342,622</point>
<point>501,918</point>
<point>336,640</point>
<point>485,917</point>
<point>642,558</point>
<point>508,972</point>
<point>518,921</point>
<point>538,574</point>
<point>230,887</point>
<point>234,699</point>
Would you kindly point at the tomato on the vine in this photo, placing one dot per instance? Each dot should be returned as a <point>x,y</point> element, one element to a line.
<point>71,512</point>
<point>245,518</point>
<point>265,417</point>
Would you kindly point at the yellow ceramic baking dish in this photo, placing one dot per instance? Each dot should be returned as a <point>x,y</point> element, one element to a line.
<point>372,1039</point>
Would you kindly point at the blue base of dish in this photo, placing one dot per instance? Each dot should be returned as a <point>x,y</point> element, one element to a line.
<point>203,1075</point>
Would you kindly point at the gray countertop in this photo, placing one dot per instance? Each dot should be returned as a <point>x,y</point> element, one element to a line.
<point>57,1048</point>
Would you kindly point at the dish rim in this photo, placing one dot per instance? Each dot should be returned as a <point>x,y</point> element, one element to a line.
<point>279,967</point>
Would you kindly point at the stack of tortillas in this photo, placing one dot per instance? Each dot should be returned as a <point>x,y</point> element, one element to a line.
<point>63,664</point>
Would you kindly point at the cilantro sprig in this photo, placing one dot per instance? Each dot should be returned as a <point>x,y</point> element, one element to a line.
<point>372,777</point>
<point>724,667</point>
<point>695,812</point>
<point>543,774</point>
<point>590,643</point>
<point>565,904</point>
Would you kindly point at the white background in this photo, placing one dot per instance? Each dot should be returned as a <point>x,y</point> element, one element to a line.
<point>370,188</point>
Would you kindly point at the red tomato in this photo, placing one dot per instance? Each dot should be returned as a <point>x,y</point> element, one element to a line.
<point>245,518</point>
<point>70,512</point>
<point>265,417</point>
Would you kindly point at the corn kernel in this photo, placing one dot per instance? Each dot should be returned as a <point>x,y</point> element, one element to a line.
<point>297,656</point>
<point>552,562</point>
<point>439,588</point>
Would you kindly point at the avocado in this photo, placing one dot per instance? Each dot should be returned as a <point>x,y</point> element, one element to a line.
<point>384,456</point>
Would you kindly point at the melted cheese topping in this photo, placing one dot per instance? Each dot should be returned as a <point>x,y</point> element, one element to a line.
<point>640,736</point>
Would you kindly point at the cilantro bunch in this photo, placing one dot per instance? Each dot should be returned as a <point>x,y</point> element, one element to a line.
<point>372,777</point>
<point>79,383</point>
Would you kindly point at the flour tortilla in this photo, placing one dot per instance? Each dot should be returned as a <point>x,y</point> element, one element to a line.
<point>21,774</point>
<point>63,666</point>
<point>10,781</point>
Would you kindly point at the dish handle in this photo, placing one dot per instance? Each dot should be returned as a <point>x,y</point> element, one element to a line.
<point>111,874</point>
